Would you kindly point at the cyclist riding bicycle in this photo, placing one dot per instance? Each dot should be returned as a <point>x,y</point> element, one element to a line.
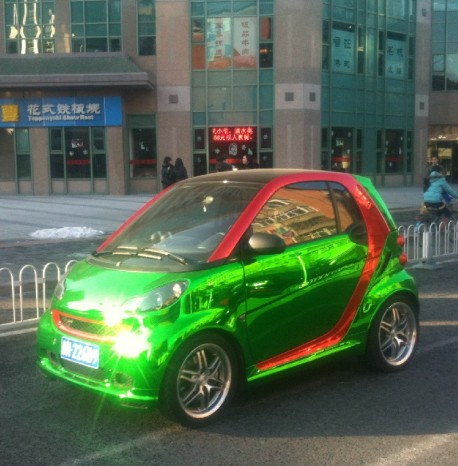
<point>433,197</point>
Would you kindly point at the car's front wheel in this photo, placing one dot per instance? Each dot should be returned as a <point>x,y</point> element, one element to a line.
<point>393,336</point>
<point>200,381</point>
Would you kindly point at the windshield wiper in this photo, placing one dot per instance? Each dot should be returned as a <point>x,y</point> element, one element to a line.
<point>149,253</point>
<point>152,252</point>
<point>120,250</point>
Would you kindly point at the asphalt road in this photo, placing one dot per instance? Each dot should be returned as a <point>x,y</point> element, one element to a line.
<point>333,414</point>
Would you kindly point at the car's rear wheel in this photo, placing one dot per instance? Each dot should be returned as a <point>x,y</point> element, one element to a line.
<point>393,336</point>
<point>201,381</point>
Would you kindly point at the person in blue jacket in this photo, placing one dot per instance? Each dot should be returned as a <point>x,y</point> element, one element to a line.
<point>433,196</point>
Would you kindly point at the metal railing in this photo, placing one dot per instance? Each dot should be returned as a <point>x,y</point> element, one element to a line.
<point>26,297</point>
<point>425,243</point>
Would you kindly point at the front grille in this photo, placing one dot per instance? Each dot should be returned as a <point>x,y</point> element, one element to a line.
<point>86,328</point>
<point>118,379</point>
<point>91,327</point>
<point>99,375</point>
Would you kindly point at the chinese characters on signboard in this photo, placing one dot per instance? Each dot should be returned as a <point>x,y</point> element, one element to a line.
<point>236,46</point>
<point>237,134</point>
<point>245,42</point>
<point>39,112</point>
<point>395,58</point>
<point>232,142</point>
<point>84,111</point>
<point>219,53</point>
<point>343,51</point>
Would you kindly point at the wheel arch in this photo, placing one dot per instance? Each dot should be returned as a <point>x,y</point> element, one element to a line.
<point>211,332</point>
<point>374,357</point>
<point>397,295</point>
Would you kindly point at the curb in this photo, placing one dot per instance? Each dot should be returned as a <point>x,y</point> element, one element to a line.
<point>18,328</point>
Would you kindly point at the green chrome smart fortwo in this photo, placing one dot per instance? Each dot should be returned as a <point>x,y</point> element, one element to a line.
<point>230,278</point>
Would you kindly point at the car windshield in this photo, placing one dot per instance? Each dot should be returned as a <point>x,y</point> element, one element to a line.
<point>186,224</point>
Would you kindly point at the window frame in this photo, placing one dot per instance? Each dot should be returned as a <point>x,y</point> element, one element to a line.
<point>292,207</point>
<point>107,31</point>
<point>44,29</point>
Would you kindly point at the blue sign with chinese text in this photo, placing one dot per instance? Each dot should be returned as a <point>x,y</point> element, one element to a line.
<point>61,111</point>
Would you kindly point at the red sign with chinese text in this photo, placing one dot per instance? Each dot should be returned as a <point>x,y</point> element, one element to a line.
<point>233,134</point>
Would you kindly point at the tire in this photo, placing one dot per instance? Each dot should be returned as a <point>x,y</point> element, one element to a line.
<point>393,336</point>
<point>200,381</point>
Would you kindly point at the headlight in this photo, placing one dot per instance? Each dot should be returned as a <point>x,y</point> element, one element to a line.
<point>130,345</point>
<point>157,299</point>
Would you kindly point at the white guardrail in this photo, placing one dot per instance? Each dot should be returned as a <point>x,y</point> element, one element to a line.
<point>424,243</point>
<point>24,298</point>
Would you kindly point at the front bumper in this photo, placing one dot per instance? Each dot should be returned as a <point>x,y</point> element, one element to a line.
<point>127,381</point>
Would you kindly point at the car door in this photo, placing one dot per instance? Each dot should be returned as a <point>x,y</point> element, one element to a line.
<point>300,295</point>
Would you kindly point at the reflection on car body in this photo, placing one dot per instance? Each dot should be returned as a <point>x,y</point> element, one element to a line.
<point>231,277</point>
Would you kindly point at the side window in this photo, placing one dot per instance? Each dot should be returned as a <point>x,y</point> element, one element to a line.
<point>348,213</point>
<point>349,219</point>
<point>298,213</point>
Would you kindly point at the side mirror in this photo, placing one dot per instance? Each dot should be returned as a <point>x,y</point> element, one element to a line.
<point>358,233</point>
<point>265,243</point>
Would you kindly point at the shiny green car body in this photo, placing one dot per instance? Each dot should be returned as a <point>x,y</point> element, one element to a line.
<point>229,278</point>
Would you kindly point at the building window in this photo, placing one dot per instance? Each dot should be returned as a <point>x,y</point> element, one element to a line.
<point>394,151</point>
<point>96,25</point>
<point>396,53</point>
<point>143,156</point>
<point>361,50</point>
<point>15,161</point>
<point>341,149</point>
<point>238,42</point>
<point>146,10</point>
<point>266,47</point>
<point>29,26</point>
<point>77,152</point>
<point>232,81</point>
<point>343,47</point>
<point>325,34</point>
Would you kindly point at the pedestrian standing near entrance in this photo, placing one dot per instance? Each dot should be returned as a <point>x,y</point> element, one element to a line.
<point>248,161</point>
<point>180,170</point>
<point>222,165</point>
<point>168,176</point>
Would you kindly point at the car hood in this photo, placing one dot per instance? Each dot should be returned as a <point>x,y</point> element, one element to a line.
<point>89,287</point>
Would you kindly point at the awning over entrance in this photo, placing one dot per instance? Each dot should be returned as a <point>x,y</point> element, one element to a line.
<point>72,70</point>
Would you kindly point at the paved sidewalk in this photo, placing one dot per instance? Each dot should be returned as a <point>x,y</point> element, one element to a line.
<point>22,215</point>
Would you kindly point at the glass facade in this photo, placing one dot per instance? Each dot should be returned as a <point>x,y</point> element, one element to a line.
<point>15,161</point>
<point>96,25</point>
<point>29,26</point>
<point>232,82</point>
<point>142,146</point>
<point>444,32</point>
<point>77,153</point>
<point>368,89</point>
<point>328,84</point>
<point>445,45</point>
<point>146,25</point>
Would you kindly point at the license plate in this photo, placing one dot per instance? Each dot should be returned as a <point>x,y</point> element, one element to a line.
<point>80,353</point>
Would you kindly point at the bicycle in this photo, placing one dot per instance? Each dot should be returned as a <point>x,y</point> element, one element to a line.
<point>433,220</point>
<point>429,216</point>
